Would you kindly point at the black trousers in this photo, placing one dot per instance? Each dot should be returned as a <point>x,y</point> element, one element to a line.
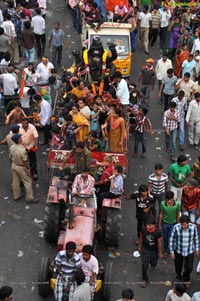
<point>40,42</point>
<point>140,224</point>
<point>167,100</point>
<point>106,195</point>
<point>187,261</point>
<point>148,257</point>
<point>32,162</point>
<point>153,36</point>
<point>46,131</point>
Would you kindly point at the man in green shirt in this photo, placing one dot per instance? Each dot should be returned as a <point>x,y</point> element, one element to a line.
<point>179,174</point>
<point>169,216</point>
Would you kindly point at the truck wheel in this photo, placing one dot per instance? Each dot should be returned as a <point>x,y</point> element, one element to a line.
<point>44,277</point>
<point>107,284</point>
<point>52,222</point>
<point>113,226</point>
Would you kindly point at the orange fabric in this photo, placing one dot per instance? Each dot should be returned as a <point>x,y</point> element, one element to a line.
<point>110,4</point>
<point>117,130</point>
<point>21,92</point>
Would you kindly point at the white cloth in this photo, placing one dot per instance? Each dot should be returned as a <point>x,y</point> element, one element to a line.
<point>164,17</point>
<point>45,113</point>
<point>38,25</point>
<point>145,19</point>
<point>42,5</point>
<point>123,92</point>
<point>9,83</point>
<point>9,29</point>
<point>171,296</point>
<point>193,112</point>
<point>44,72</point>
<point>162,67</point>
<point>196,296</point>
<point>196,45</point>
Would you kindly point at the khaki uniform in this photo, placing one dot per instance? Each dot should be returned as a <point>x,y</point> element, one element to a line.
<point>18,156</point>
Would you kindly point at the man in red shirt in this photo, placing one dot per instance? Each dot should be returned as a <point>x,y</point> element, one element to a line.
<point>191,200</point>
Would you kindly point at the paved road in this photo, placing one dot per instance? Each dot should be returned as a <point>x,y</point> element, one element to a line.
<point>21,245</point>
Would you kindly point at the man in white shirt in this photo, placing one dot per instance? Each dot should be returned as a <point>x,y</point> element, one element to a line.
<point>38,25</point>
<point>45,115</point>
<point>165,16</point>
<point>193,121</point>
<point>145,23</point>
<point>9,85</point>
<point>44,71</point>
<point>162,66</point>
<point>9,31</point>
<point>122,92</point>
<point>196,45</point>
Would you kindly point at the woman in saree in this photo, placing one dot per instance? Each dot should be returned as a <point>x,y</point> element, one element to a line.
<point>181,55</point>
<point>117,131</point>
<point>82,122</point>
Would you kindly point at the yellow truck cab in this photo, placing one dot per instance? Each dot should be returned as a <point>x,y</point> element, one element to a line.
<point>117,33</point>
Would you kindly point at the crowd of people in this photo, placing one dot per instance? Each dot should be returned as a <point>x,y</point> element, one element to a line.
<point>84,122</point>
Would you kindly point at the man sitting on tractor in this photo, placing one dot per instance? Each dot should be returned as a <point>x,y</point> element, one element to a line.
<point>67,262</point>
<point>82,189</point>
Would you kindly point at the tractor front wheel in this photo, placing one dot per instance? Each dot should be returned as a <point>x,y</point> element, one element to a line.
<point>44,277</point>
<point>113,226</point>
<point>107,284</point>
<point>52,222</point>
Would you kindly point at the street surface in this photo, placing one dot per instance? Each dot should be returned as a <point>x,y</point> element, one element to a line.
<point>21,226</point>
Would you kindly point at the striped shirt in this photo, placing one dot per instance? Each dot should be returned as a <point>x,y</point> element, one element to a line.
<point>155,20</point>
<point>68,265</point>
<point>184,242</point>
<point>158,185</point>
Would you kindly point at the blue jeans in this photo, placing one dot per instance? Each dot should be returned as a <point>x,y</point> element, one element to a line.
<point>133,40</point>
<point>181,131</point>
<point>170,141</point>
<point>191,214</point>
<point>30,54</point>
<point>167,230</point>
<point>140,138</point>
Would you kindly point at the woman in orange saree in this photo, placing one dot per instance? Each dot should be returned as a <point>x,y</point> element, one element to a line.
<point>82,122</point>
<point>117,133</point>
<point>181,56</point>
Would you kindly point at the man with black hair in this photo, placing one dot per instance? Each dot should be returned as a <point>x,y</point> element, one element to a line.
<point>171,120</point>
<point>90,267</point>
<point>4,43</point>
<point>38,25</point>
<point>142,122</point>
<point>67,262</point>
<point>144,207</point>
<point>179,174</point>
<point>28,42</point>
<point>187,85</point>
<point>167,87</point>
<point>81,155</point>
<point>82,291</point>
<point>127,295</point>
<point>184,243</point>
<point>149,248</point>
<point>178,293</point>
<point>6,293</point>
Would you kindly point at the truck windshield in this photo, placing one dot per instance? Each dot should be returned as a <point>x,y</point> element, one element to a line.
<point>121,42</point>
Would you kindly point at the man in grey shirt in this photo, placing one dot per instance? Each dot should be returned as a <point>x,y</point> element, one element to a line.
<point>168,88</point>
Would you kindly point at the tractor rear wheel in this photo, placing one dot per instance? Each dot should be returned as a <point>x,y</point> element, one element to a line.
<point>52,222</point>
<point>113,226</point>
<point>107,284</point>
<point>44,277</point>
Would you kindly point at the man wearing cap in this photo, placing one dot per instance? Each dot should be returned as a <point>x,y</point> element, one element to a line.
<point>44,71</point>
<point>191,200</point>
<point>30,142</point>
<point>8,139</point>
<point>147,78</point>
<point>20,170</point>
<point>45,115</point>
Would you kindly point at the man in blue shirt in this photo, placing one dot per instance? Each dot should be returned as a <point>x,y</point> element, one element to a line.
<point>190,66</point>
<point>183,244</point>
<point>57,40</point>
<point>168,88</point>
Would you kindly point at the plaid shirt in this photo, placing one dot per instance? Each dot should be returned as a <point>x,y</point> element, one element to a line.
<point>184,242</point>
<point>169,124</point>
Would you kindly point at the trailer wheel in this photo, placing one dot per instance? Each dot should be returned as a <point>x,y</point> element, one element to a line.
<point>44,277</point>
<point>107,284</point>
<point>113,226</point>
<point>52,222</point>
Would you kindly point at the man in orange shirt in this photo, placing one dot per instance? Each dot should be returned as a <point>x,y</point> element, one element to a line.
<point>191,200</point>
<point>30,142</point>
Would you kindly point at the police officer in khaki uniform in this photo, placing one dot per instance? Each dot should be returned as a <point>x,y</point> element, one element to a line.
<point>7,140</point>
<point>20,170</point>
